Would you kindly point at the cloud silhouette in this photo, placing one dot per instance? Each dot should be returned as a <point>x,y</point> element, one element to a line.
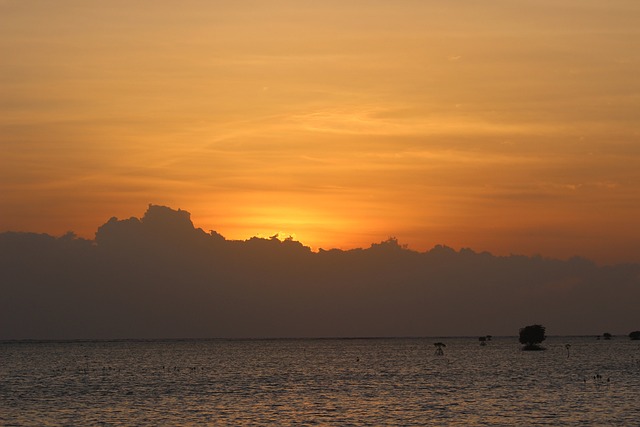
<point>160,277</point>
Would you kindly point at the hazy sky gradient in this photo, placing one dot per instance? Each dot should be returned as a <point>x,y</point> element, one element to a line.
<point>507,126</point>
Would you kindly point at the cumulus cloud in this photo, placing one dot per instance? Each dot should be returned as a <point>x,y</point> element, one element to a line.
<point>160,277</point>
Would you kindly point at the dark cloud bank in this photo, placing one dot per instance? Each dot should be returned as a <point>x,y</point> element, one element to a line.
<point>159,277</point>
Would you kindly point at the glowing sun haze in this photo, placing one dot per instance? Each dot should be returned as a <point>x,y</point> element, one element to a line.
<point>506,126</point>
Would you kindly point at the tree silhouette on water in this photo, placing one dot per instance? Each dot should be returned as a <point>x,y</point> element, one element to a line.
<point>439,350</point>
<point>531,336</point>
<point>483,340</point>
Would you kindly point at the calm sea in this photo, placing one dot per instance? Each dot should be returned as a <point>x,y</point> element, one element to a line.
<point>342,382</point>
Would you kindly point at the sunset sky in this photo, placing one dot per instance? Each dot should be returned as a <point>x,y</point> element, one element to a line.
<point>506,126</point>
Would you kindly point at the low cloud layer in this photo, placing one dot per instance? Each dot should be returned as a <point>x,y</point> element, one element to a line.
<point>160,277</point>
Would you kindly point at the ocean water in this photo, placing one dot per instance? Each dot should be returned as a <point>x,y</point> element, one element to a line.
<point>324,382</point>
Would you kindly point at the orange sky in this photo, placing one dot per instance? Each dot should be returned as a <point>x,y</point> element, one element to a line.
<point>511,126</point>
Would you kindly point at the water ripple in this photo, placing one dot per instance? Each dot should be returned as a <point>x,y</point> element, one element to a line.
<point>319,382</point>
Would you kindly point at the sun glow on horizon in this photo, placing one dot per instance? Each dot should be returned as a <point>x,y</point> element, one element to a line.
<point>511,127</point>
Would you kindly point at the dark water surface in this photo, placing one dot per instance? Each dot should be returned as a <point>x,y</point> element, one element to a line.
<point>383,382</point>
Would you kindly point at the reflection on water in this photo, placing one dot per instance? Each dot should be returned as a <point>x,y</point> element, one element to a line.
<point>320,382</point>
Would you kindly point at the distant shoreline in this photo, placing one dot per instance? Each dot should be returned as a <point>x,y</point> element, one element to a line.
<point>142,340</point>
